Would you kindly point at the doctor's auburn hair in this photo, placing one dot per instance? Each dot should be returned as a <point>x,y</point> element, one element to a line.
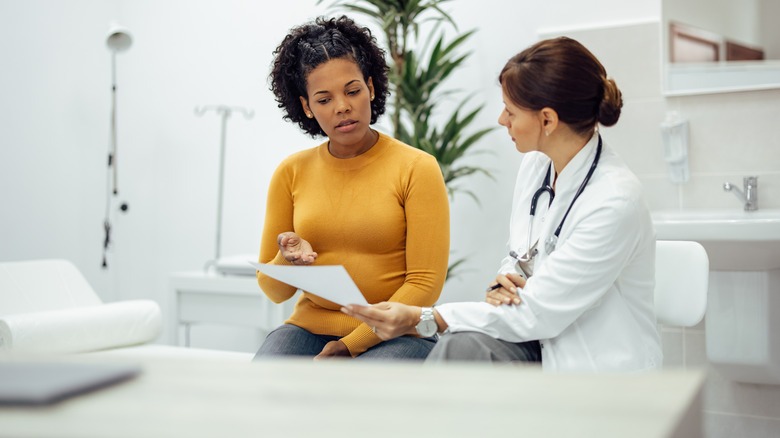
<point>310,45</point>
<point>560,73</point>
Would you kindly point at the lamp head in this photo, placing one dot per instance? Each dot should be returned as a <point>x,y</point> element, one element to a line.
<point>119,38</point>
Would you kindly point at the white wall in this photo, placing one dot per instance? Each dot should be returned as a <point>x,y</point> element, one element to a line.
<point>54,121</point>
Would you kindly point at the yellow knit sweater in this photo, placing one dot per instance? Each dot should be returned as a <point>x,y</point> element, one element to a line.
<point>384,215</point>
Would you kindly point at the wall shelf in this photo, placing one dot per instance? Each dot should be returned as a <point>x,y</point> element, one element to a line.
<point>699,78</point>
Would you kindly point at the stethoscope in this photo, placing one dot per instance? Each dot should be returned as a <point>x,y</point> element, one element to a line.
<point>552,241</point>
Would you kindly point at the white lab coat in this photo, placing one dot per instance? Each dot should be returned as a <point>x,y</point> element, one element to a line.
<point>590,302</point>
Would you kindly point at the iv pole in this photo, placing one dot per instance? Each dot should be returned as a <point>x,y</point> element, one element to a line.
<point>225,112</point>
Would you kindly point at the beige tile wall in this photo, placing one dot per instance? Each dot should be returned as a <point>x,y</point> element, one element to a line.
<point>731,135</point>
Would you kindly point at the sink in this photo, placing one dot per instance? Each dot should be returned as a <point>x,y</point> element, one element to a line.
<point>742,330</point>
<point>735,240</point>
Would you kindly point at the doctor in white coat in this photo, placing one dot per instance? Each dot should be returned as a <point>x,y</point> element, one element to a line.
<point>575,289</point>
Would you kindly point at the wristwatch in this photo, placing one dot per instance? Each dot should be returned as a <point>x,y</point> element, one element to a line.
<point>427,326</point>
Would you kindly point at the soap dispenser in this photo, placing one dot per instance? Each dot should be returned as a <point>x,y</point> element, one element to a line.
<point>675,136</point>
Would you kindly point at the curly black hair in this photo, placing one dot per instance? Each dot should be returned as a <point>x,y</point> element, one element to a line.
<point>312,44</point>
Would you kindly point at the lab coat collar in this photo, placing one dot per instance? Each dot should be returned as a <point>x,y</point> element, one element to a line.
<point>572,175</point>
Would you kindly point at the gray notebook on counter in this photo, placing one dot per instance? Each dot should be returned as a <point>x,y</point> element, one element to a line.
<point>43,383</point>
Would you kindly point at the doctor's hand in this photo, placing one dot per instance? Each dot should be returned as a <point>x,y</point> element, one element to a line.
<point>334,349</point>
<point>294,249</point>
<point>389,320</point>
<point>506,292</point>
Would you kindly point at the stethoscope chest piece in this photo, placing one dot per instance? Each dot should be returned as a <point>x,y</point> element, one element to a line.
<point>549,244</point>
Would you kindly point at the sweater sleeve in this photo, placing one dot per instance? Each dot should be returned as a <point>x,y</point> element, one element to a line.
<point>426,206</point>
<point>278,219</point>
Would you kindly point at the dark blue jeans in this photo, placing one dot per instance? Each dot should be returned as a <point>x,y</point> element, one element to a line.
<point>291,340</point>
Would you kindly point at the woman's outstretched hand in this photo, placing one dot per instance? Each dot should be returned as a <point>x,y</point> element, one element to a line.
<point>295,250</point>
<point>389,320</point>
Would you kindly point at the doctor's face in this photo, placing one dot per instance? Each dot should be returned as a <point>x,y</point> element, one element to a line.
<point>524,126</point>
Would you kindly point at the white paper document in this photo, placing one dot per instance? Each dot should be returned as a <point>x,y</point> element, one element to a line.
<point>331,282</point>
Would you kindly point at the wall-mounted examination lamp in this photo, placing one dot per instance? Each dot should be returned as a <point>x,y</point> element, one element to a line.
<point>117,40</point>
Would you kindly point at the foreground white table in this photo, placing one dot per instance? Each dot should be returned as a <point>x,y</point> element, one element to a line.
<point>210,398</point>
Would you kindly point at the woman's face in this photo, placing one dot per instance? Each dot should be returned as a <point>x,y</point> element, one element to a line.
<point>524,126</point>
<point>340,101</point>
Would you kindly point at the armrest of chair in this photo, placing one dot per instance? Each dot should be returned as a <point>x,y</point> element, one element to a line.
<point>82,329</point>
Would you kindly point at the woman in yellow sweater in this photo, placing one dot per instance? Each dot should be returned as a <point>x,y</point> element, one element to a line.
<point>361,199</point>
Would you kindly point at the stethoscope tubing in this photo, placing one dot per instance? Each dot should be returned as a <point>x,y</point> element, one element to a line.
<point>582,186</point>
<point>546,188</point>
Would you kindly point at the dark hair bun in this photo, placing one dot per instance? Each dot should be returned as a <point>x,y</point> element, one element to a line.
<point>609,109</point>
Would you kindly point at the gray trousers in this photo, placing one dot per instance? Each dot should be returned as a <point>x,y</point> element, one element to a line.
<point>473,346</point>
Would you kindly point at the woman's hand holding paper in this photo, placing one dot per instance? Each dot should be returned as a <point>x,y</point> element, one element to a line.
<point>388,319</point>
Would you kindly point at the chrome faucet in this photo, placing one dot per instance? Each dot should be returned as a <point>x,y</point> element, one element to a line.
<point>748,197</point>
